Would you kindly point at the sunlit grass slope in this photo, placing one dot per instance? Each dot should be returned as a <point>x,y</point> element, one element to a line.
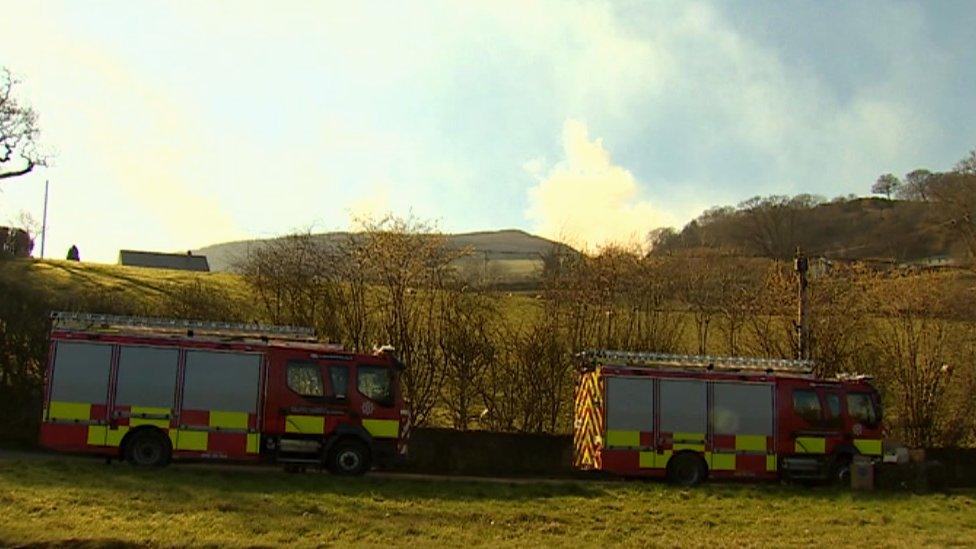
<point>62,280</point>
<point>60,501</point>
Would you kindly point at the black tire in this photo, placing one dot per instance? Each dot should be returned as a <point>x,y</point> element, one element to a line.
<point>686,469</point>
<point>349,458</point>
<point>840,470</point>
<point>148,449</point>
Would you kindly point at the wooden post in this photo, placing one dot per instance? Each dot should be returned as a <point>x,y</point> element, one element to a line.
<point>802,265</point>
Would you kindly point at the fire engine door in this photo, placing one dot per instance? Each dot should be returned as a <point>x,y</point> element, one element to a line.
<point>316,395</point>
<point>144,390</point>
<point>219,405</point>
<point>811,428</point>
<point>79,389</point>
<point>683,421</point>
<point>630,413</point>
<point>833,425</point>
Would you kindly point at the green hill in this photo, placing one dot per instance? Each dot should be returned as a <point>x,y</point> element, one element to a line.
<point>854,229</point>
<point>508,258</point>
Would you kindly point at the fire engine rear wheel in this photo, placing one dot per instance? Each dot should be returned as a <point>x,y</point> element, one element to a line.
<point>686,469</point>
<point>349,458</point>
<point>147,449</point>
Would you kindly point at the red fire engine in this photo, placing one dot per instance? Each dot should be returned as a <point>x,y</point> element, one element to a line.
<point>690,417</point>
<point>148,390</point>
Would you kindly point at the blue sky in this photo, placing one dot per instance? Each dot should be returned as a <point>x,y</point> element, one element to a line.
<point>180,124</point>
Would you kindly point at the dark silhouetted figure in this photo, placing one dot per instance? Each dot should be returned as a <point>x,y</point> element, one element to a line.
<point>73,253</point>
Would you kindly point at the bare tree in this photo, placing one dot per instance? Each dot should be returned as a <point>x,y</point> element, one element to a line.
<point>528,387</point>
<point>700,290</point>
<point>19,132</point>
<point>295,282</point>
<point>738,282</point>
<point>771,223</point>
<point>887,185</point>
<point>839,322</point>
<point>915,186</point>
<point>967,165</point>
<point>917,355</point>
<point>410,265</point>
<point>955,192</point>
<point>467,348</point>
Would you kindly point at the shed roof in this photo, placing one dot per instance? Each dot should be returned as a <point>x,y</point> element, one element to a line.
<point>159,260</point>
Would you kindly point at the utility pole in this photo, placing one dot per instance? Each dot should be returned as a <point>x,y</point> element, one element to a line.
<point>802,265</point>
<point>44,219</point>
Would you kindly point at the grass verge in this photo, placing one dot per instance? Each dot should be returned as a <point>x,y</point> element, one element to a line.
<point>51,501</point>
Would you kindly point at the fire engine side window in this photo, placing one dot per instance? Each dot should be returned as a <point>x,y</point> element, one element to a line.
<point>833,409</point>
<point>630,404</point>
<point>742,408</point>
<point>861,409</point>
<point>81,372</point>
<point>305,378</point>
<point>806,404</point>
<point>223,381</point>
<point>147,376</point>
<point>683,406</point>
<point>375,382</point>
<point>339,375</point>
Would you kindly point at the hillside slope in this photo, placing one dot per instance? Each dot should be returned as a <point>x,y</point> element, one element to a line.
<point>508,258</point>
<point>855,229</point>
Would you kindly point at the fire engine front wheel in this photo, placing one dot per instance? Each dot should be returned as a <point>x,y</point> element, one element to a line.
<point>147,449</point>
<point>349,458</point>
<point>686,469</point>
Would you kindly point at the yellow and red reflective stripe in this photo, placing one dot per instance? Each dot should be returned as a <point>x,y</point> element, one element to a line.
<point>305,424</point>
<point>622,439</point>
<point>810,445</point>
<point>253,443</point>
<point>187,439</point>
<point>868,447</point>
<point>688,441</point>
<point>382,428</point>
<point>78,411</point>
<point>228,420</point>
<point>654,460</point>
<point>750,443</point>
<point>720,461</point>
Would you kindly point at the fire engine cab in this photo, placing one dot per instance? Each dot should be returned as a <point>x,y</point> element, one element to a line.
<point>690,417</point>
<point>148,390</point>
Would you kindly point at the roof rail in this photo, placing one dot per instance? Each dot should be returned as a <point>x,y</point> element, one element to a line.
<point>707,362</point>
<point>89,321</point>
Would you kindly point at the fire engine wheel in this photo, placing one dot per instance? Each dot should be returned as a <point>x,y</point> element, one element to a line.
<point>349,458</point>
<point>840,470</point>
<point>147,449</point>
<point>686,469</point>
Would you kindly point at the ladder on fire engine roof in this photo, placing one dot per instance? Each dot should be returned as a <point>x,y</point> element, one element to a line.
<point>91,321</point>
<point>705,362</point>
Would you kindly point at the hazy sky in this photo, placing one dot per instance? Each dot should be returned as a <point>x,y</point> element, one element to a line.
<point>180,124</point>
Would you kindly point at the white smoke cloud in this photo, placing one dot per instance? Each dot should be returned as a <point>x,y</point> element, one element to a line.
<point>586,199</point>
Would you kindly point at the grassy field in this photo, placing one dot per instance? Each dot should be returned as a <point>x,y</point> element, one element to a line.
<point>48,501</point>
<point>58,278</point>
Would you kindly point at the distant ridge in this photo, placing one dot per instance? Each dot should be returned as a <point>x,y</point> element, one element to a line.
<point>507,245</point>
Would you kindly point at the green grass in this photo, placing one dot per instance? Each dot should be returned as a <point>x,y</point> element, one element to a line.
<point>51,501</point>
<point>58,278</point>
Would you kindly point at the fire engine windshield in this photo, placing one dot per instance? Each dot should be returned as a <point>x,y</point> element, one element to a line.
<point>861,408</point>
<point>376,383</point>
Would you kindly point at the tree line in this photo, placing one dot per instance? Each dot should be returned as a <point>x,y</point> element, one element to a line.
<point>477,358</point>
<point>922,216</point>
